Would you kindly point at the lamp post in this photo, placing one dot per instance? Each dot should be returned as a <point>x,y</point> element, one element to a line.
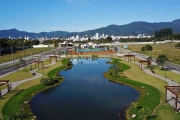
<point>165,74</point>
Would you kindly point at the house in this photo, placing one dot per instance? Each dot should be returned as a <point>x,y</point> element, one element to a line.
<point>85,46</point>
<point>96,46</point>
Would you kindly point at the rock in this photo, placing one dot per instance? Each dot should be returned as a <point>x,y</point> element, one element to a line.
<point>133,115</point>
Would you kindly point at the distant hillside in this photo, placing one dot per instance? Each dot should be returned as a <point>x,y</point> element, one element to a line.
<point>16,33</point>
<point>133,28</point>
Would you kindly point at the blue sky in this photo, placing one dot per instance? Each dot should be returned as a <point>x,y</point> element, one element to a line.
<point>81,15</point>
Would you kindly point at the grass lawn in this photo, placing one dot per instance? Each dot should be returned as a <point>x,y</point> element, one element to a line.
<point>167,49</point>
<point>164,110</point>
<point>19,54</point>
<point>169,74</point>
<point>24,73</point>
<point>25,85</point>
<point>18,75</point>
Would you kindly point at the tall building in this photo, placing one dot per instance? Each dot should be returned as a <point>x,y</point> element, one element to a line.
<point>97,36</point>
<point>77,37</point>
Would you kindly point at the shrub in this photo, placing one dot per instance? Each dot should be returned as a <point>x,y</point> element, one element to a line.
<point>177,45</point>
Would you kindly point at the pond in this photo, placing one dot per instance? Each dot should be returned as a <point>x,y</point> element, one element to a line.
<point>84,95</point>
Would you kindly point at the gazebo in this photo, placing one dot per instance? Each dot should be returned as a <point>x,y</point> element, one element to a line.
<point>55,57</point>
<point>173,92</point>
<point>144,61</point>
<point>2,82</point>
<point>129,56</point>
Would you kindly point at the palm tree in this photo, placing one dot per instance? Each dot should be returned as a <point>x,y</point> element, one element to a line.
<point>31,45</point>
<point>24,41</point>
<point>55,43</point>
<point>11,43</point>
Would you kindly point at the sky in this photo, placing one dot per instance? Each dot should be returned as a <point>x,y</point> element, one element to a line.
<point>81,15</point>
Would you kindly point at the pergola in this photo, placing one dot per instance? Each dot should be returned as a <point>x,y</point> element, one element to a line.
<point>37,62</point>
<point>175,90</point>
<point>55,57</point>
<point>2,82</point>
<point>129,56</point>
<point>144,61</point>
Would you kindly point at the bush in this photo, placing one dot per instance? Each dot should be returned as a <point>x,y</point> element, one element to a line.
<point>177,45</point>
<point>143,48</point>
<point>47,81</point>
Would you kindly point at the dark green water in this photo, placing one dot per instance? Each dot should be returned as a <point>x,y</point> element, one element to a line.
<point>85,95</point>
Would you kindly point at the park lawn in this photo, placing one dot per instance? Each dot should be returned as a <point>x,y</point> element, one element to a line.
<point>18,75</point>
<point>23,73</point>
<point>167,49</point>
<point>26,85</point>
<point>45,62</point>
<point>169,74</point>
<point>19,54</point>
<point>135,73</point>
<point>48,68</point>
<point>16,90</point>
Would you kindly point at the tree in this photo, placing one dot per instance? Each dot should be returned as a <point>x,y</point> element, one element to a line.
<point>163,33</point>
<point>115,70</point>
<point>143,48</point>
<point>177,45</point>
<point>24,42</point>
<point>11,43</point>
<point>31,45</point>
<point>149,47</point>
<point>161,60</point>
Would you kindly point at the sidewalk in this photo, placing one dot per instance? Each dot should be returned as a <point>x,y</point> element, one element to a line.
<point>15,84</point>
<point>169,82</point>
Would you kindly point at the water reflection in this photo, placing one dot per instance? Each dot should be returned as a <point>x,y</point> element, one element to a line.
<point>85,95</point>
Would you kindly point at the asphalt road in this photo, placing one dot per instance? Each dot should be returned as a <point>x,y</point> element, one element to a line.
<point>28,59</point>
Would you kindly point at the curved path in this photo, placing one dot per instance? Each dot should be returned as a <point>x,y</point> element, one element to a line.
<point>169,82</point>
<point>15,84</point>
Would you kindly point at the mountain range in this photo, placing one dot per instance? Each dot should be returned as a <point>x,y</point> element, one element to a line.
<point>134,28</point>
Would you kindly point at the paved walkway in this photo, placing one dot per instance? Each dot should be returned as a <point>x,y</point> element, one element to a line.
<point>169,82</point>
<point>15,84</point>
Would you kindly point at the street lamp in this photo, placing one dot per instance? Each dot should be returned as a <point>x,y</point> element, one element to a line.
<point>165,74</point>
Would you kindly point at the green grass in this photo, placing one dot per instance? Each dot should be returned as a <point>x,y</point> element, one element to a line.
<point>136,74</point>
<point>13,105</point>
<point>169,74</point>
<point>19,54</point>
<point>136,78</point>
<point>16,102</point>
<point>150,101</point>
<point>167,49</point>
